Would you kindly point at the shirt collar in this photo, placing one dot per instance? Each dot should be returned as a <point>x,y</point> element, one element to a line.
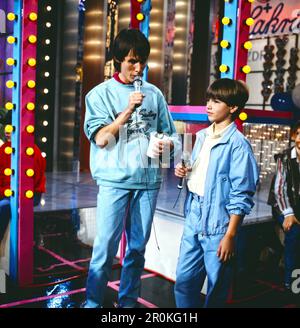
<point>213,135</point>
<point>294,154</point>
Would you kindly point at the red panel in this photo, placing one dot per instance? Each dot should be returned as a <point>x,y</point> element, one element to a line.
<point>25,242</point>
<point>135,9</point>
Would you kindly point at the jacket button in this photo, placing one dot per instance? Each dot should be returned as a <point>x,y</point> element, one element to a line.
<point>224,179</point>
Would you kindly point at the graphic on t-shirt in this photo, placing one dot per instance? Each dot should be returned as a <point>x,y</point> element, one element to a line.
<point>140,123</point>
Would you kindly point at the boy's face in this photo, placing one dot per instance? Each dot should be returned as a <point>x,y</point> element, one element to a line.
<point>218,111</point>
<point>131,66</point>
<point>297,140</point>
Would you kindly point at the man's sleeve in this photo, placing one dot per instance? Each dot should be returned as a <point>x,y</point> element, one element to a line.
<point>166,125</point>
<point>96,116</point>
<point>280,189</point>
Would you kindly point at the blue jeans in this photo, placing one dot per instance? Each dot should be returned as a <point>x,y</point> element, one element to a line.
<point>198,258</point>
<point>291,251</point>
<point>4,216</point>
<point>116,209</point>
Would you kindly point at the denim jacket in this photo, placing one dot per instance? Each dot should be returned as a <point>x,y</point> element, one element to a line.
<point>231,181</point>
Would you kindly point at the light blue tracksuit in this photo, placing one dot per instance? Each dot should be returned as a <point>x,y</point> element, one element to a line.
<point>230,184</point>
<point>128,184</point>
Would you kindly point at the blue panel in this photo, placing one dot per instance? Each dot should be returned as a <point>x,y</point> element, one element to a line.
<point>144,27</point>
<point>13,266</point>
<point>190,117</point>
<point>229,34</point>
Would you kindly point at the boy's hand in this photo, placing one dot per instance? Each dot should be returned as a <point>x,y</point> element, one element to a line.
<point>288,222</point>
<point>182,171</point>
<point>226,248</point>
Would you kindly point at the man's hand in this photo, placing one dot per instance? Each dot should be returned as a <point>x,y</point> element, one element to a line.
<point>135,100</point>
<point>288,222</point>
<point>160,146</point>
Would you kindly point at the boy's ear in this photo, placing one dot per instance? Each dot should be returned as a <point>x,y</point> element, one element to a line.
<point>233,109</point>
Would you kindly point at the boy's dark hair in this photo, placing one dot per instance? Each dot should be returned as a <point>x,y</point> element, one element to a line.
<point>294,129</point>
<point>130,39</point>
<point>231,92</point>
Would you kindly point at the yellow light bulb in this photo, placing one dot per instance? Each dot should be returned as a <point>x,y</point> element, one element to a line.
<point>30,106</point>
<point>32,17</point>
<point>11,16</point>
<point>251,1</point>
<point>224,44</point>
<point>29,194</point>
<point>8,192</point>
<point>10,61</point>
<point>226,20</point>
<point>32,38</point>
<point>11,39</point>
<point>246,69</point>
<point>223,68</point>
<point>9,106</point>
<point>8,172</point>
<point>8,150</point>
<point>10,84</point>
<point>29,151</point>
<point>243,116</point>
<point>30,173</point>
<point>31,84</point>
<point>30,128</point>
<point>31,62</point>
<point>249,21</point>
<point>248,45</point>
<point>9,128</point>
<point>140,16</point>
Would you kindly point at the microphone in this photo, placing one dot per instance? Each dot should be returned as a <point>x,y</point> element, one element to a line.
<point>137,83</point>
<point>185,161</point>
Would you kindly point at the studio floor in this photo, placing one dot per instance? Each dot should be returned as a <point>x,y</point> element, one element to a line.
<point>61,259</point>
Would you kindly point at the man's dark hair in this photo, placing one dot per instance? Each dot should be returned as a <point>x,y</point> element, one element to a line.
<point>130,39</point>
<point>5,117</point>
<point>231,92</point>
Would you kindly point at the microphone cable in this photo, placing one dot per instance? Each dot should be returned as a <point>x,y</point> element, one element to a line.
<point>139,134</point>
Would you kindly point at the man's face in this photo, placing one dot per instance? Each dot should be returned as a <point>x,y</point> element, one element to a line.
<point>131,66</point>
<point>218,111</point>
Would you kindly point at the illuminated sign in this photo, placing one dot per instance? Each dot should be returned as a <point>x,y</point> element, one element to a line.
<point>275,17</point>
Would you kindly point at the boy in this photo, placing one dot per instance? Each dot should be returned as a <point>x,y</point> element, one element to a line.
<point>118,121</point>
<point>221,186</point>
<point>287,195</point>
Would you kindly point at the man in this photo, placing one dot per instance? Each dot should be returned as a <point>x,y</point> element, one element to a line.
<point>287,195</point>
<point>118,122</point>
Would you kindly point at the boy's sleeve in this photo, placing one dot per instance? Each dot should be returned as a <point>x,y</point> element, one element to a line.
<point>244,179</point>
<point>96,116</point>
<point>280,189</point>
